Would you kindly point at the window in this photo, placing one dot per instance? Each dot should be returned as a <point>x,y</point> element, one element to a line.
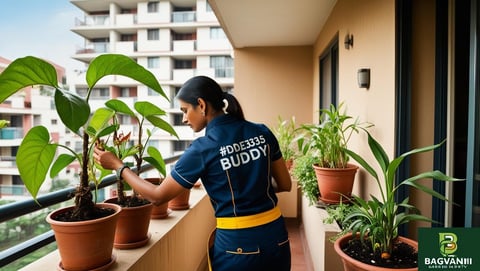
<point>217,33</point>
<point>153,34</point>
<point>174,102</point>
<point>209,8</point>
<point>128,37</point>
<point>183,36</point>
<point>96,92</point>
<point>184,64</point>
<point>223,66</point>
<point>53,122</point>
<point>177,119</point>
<point>152,7</point>
<point>125,92</point>
<point>124,119</point>
<point>152,92</point>
<point>329,77</point>
<point>181,145</point>
<point>153,62</point>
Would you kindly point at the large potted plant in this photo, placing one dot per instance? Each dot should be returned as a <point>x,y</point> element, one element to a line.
<point>327,142</point>
<point>37,154</point>
<point>373,241</point>
<point>134,220</point>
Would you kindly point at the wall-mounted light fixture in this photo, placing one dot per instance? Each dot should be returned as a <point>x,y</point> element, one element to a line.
<point>364,78</point>
<point>348,41</point>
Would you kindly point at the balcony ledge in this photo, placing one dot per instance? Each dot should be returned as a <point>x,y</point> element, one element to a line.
<point>181,233</point>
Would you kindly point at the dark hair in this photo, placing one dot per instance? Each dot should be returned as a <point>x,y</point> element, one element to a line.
<point>206,88</point>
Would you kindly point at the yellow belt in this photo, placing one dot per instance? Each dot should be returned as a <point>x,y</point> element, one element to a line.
<point>241,222</point>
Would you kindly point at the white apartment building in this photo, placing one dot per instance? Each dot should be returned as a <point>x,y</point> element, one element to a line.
<point>23,110</point>
<point>175,39</point>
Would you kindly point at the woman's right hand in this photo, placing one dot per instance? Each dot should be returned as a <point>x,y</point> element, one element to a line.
<point>106,159</point>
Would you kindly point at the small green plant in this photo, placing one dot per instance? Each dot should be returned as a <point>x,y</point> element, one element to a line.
<point>328,140</point>
<point>378,219</point>
<point>142,113</point>
<point>285,132</point>
<point>307,180</point>
<point>337,214</point>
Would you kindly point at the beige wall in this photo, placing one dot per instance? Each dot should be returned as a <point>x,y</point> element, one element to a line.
<point>274,81</point>
<point>372,24</point>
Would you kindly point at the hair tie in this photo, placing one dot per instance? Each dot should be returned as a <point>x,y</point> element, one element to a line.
<point>225,103</point>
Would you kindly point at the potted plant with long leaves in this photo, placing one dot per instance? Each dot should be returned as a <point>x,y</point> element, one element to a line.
<point>327,142</point>
<point>134,220</point>
<point>37,154</point>
<point>373,223</point>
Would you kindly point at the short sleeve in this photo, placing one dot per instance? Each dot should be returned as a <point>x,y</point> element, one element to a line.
<point>189,168</point>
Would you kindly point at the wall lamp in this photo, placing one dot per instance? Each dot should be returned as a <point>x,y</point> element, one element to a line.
<point>348,41</point>
<point>363,77</point>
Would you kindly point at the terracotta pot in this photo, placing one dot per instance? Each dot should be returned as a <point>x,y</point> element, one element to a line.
<point>335,183</point>
<point>132,226</point>
<point>158,211</point>
<point>180,202</point>
<point>85,245</point>
<point>351,264</point>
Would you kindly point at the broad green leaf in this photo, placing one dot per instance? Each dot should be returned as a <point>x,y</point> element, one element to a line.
<point>156,160</point>
<point>120,106</point>
<point>73,110</point>
<point>4,123</point>
<point>122,65</point>
<point>62,162</point>
<point>145,109</point>
<point>160,123</point>
<point>100,118</point>
<point>24,72</point>
<point>34,157</point>
<point>106,131</point>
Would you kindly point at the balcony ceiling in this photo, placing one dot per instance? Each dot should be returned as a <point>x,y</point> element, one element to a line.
<point>102,5</point>
<point>254,23</point>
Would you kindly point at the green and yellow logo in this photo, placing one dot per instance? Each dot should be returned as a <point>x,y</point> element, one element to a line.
<point>452,249</point>
<point>448,243</point>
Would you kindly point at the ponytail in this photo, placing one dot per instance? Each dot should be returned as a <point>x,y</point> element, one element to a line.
<point>206,88</point>
<point>232,106</point>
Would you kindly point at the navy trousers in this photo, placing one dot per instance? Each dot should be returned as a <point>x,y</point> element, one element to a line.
<point>261,248</point>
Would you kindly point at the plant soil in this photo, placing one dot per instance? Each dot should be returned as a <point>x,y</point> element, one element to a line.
<point>403,255</point>
<point>70,216</point>
<point>131,202</point>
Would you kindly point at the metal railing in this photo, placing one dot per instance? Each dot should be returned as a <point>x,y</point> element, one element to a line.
<point>17,209</point>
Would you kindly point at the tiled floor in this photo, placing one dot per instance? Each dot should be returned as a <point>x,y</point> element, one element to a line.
<point>299,260</point>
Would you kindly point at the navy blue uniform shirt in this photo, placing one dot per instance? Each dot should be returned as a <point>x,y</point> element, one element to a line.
<point>233,162</point>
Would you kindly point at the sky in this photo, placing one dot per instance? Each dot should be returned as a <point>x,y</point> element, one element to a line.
<point>40,28</point>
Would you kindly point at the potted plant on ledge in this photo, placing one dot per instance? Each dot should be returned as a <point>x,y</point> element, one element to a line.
<point>327,142</point>
<point>373,223</point>
<point>134,220</point>
<point>286,132</point>
<point>303,171</point>
<point>37,155</point>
